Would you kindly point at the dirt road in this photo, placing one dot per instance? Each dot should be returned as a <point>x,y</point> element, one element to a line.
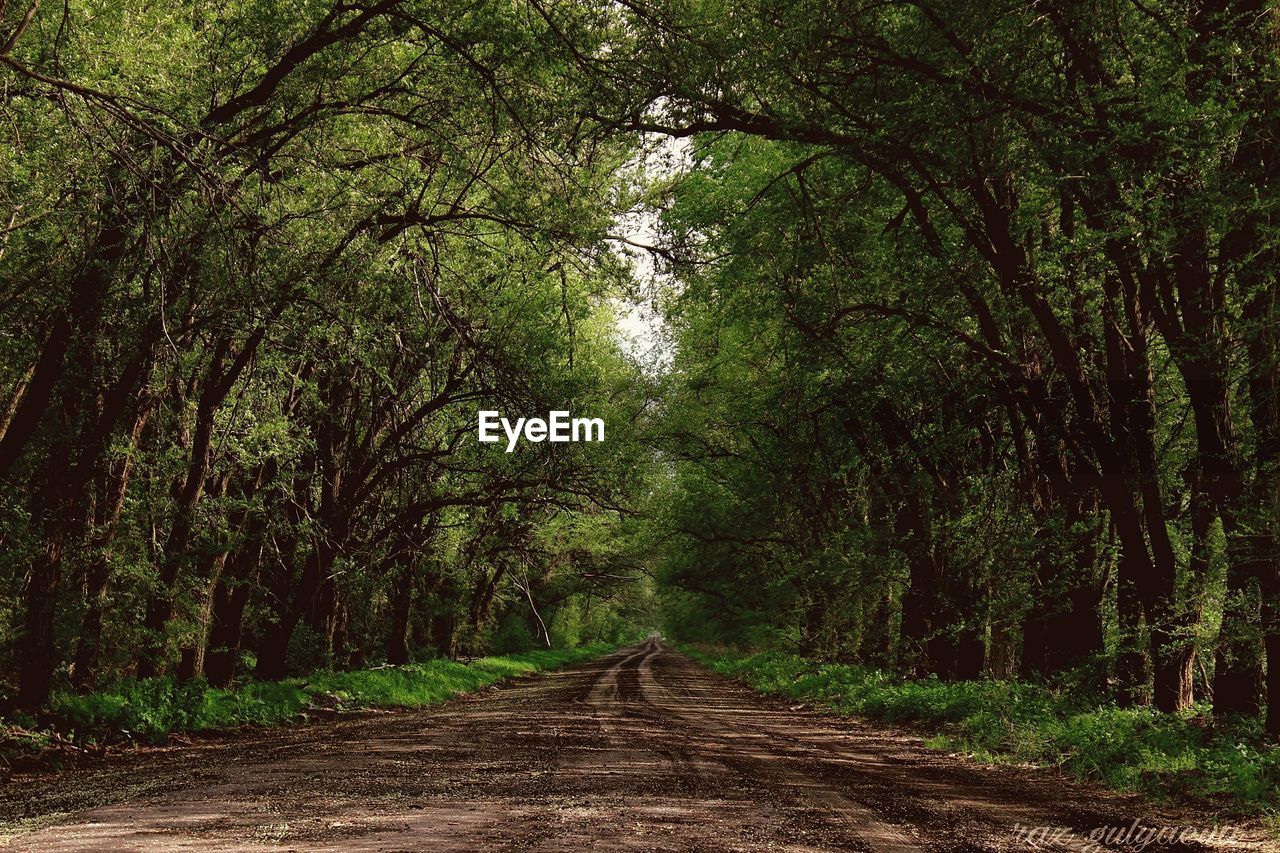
<point>644,750</point>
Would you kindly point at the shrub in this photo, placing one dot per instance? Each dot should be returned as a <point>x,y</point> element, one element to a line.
<point>150,710</point>
<point>1128,748</point>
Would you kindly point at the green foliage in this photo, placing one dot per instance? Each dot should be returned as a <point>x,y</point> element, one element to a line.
<point>275,260</point>
<point>511,632</point>
<point>974,317</point>
<point>998,721</point>
<point>147,710</point>
<point>152,709</point>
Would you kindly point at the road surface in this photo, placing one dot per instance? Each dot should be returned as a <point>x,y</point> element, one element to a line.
<point>643,750</point>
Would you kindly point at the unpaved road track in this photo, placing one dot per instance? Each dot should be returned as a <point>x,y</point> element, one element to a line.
<point>643,750</point>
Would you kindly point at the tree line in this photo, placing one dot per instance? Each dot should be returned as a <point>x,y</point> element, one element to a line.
<point>262,264</point>
<point>977,339</point>
<point>973,312</point>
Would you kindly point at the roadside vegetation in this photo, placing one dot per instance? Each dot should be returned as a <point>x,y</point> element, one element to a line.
<point>152,709</point>
<point>1136,749</point>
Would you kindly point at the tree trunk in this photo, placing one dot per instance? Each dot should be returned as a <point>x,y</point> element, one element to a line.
<point>30,408</point>
<point>61,506</point>
<point>106,522</point>
<point>273,650</point>
<point>443,635</point>
<point>229,601</point>
<point>187,495</point>
<point>1264,412</point>
<point>402,607</point>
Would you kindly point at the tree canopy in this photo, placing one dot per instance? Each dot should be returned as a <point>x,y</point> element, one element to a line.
<point>971,364</point>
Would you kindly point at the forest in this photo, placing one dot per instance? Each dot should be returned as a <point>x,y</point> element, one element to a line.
<point>961,358</point>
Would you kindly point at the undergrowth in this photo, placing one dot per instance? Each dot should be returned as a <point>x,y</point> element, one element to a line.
<point>151,710</point>
<point>1007,721</point>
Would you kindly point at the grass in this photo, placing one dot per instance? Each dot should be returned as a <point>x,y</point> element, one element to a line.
<point>1007,721</point>
<point>151,710</point>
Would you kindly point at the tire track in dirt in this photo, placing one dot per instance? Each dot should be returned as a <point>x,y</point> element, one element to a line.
<point>860,823</point>
<point>641,750</point>
<point>945,804</point>
<point>602,770</point>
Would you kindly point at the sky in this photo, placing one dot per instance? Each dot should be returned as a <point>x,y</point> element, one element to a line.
<point>640,325</point>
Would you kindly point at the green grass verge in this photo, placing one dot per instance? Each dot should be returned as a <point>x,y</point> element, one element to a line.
<point>1002,721</point>
<point>151,709</point>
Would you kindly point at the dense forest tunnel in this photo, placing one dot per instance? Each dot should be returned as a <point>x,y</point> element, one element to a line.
<point>939,341</point>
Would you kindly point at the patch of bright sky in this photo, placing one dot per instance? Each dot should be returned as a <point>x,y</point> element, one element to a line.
<point>641,328</point>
